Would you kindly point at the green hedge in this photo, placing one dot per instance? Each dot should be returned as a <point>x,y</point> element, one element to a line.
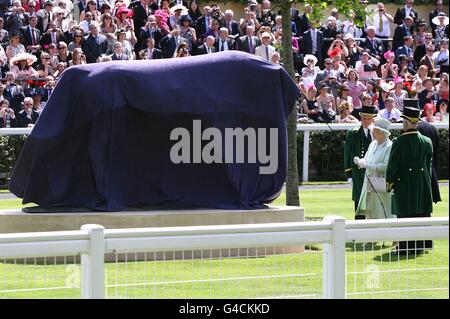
<point>326,155</point>
<point>325,160</point>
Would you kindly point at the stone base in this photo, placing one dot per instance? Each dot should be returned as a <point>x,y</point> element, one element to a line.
<point>16,221</point>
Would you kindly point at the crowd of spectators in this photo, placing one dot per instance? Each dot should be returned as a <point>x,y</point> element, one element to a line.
<point>340,67</point>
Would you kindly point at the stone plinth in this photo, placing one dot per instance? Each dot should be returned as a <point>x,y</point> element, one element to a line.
<point>16,221</point>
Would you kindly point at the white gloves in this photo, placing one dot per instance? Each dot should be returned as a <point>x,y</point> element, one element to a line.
<point>350,181</point>
<point>361,162</point>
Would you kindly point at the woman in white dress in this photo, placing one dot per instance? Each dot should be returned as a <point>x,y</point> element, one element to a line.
<point>376,204</point>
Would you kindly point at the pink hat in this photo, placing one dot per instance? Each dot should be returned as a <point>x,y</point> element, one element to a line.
<point>124,9</point>
<point>388,54</point>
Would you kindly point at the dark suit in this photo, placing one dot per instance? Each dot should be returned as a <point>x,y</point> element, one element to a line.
<point>419,53</point>
<point>201,28</point>
<point>305,24</point>
<point>92,50</point>
<point>431,132</point>
<point>400,15</point>
<point>218,44</point>
<point>400,33</point>
<point>375,48</point>
<point>156,34</point>
<point>139,18</point>
<point>242,44</point>
<point>27,38</point>
<point>233,28</point>
<point>23,120</point>
<point>306,46</point>
<point>430,18</point>
<point>168,45</point>
<point>202,50</point>
<point>156,54</point>
<point>404,50</point>
<point>47,38</point>
<point>119,57</point>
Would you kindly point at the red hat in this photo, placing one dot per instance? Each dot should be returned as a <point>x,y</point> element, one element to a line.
<point>335,52</point>
<point>124,9</point>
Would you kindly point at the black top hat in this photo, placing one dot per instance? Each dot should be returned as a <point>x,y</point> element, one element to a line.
<point>368,111</point>
<point>414,103</point>
<point>412,114</point>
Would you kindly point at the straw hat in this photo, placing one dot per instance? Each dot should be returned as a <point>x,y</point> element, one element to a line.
<point>440,15</point>
<point>309,57</point>
<point>23,57</point>
<point>179,7</point>
<point>382,125</point>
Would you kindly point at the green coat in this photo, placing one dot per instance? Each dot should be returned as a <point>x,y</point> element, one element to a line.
<point>356,144</point>
<point>409,175</point>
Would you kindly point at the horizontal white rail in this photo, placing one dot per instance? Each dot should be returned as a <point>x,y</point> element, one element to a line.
<point>92,242</point>
<point>348,126</point>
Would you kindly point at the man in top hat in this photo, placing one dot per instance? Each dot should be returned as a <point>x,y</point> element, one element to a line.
<point>356,145</point>
<point>408,174</point>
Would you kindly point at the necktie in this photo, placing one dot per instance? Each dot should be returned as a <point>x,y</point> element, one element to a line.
<point>380,28</point>
<point>33,37</point>
<point>222,45</point>
<point>250,45</point>
<point>209,50</point>
<point>54,38</point>
<point>150,54</point>
<point>176,41</point>
<point>267,53</point>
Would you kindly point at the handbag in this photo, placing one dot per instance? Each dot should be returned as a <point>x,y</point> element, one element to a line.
<point>377,184</point>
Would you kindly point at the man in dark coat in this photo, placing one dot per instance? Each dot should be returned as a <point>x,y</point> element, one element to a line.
<point>248,42</point>
<point>95,44</point>
<point>141,11</point>
<point>406,11</point>
<point>432,133</point>
<point>171,42</point>
<point>374,45</point>
<point>356,145</point>
<point>401,32</point>
<point>312,43</point>
<point>408,175</point>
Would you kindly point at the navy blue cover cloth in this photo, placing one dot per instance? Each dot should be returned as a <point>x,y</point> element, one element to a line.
<point>102,141</point>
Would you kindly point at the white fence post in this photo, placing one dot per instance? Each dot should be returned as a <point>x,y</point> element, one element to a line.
<point>334,260</point>
<point>305,156</point>
<point>93,264</point>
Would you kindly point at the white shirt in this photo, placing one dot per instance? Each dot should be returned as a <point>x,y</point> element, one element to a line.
<point>314,40</point>
<point>350,27</point>
<point>224,44</point>
<point>386,25</point>
<point>407,11</point>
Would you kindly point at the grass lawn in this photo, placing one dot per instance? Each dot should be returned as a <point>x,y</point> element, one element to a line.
<point>371,273</point>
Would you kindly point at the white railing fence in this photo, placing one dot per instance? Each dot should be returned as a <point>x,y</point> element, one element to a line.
<point>92,242</point>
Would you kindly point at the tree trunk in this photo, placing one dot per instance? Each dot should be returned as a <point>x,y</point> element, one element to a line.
<point>292,196</point>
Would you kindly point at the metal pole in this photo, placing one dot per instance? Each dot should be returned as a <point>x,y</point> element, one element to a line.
<point>305,155</point>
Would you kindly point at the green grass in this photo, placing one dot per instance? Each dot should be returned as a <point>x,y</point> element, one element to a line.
<point>372,272</point>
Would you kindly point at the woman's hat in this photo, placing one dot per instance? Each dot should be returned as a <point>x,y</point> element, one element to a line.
<point>179,7</point>
<point>382,125</point>
<point>323,86</point>
<point>389,54</point>
<point>23,57</point>
<point>368,111</point>
<point>421,23</point>
<point>441,15</point>
<point>387,87</point>
<point>309,57</point>
<point>124,9</point>
<point>119,31</point>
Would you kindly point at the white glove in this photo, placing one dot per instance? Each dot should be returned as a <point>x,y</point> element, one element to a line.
<point>362,163</point>
<point>350,181</point>
<point>356,160</point>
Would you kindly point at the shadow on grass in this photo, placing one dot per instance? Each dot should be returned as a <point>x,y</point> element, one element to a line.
<point>388,257</point>
<point>365,247</point>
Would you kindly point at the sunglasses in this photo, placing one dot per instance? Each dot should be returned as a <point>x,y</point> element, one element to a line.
<point>46,58</point>
<point>28,104</point>
<point>77,36</point>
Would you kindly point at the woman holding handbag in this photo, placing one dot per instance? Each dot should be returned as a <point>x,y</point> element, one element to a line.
<point>375,201</point>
